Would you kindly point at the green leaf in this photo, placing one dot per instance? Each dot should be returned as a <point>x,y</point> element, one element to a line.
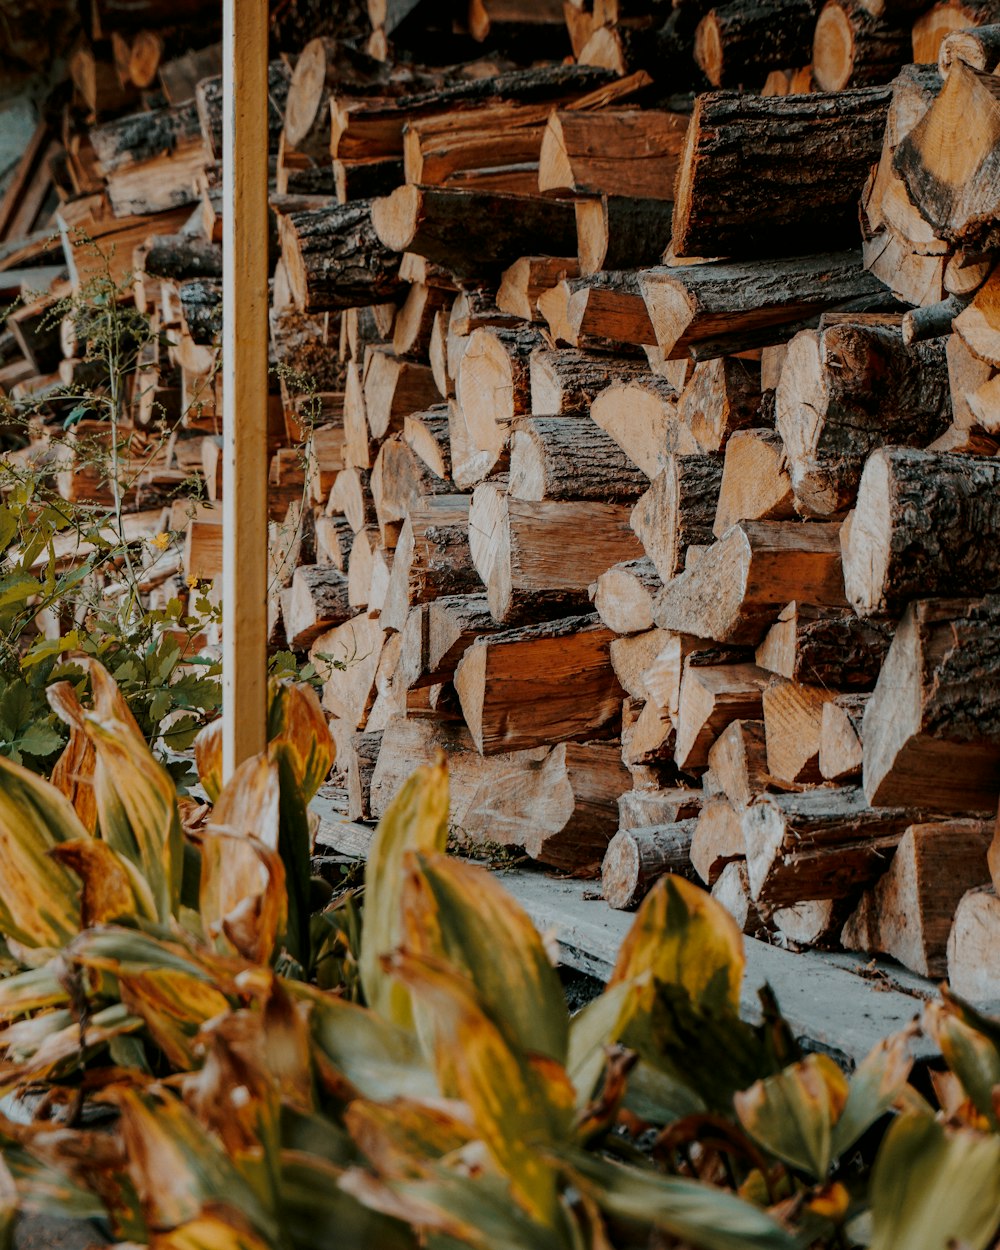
<point>39,898</point>
<point>599,1024</point>
<point>969,1050</point>
<point>40,740</point>
<point>417,820</point>
<point>453,912</point>
<point>694,1212</point>
<point>934,1188</point>
<point>317,1215</point>
<point>875,1087</point>
<point>793,1113</point>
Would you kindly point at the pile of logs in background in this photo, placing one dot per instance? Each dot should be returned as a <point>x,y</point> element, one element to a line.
<point>636,399</point>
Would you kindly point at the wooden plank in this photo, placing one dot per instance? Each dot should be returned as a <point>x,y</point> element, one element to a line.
<point>245,381</point>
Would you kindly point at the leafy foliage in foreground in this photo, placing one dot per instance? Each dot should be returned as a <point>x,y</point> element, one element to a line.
<point>192,1087</point>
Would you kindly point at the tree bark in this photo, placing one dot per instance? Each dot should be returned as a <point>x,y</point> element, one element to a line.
<point>678,510</point>
<point>622,232</point>
<point>637,858</point>
<point>852,48</point>
<point>826,647</point>
<point>335,260</point>
<point>742,41</point>
<point>570,458</point>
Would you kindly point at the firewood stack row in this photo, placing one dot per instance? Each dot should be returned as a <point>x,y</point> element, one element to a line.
<point>633,441</point>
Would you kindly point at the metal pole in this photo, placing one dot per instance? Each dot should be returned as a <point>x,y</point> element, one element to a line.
<point>244,381</point>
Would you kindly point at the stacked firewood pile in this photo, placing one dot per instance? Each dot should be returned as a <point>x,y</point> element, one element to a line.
<point>645,464</point>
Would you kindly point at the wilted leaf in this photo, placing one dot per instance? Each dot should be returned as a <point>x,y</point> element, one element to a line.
<point>173,1005</point>
<point>969,1052</point>
<point>417,820</point>
<point>595,1027</point>
<point>455,913</point>
<point>32,990</point>
<point>934,1189</point>
<point>696,1213</point>
<point>209,1232</point>
<point>685,938</point>
<point>112,887</point>
<point>39,897</point>
<point>793,1113</point>
<point>400,1137</point>
<point>296,720</point>
<point>137,810</point>
<point>177,1168</point>
<point>876,1086</point>
<point>73,772</point>
<point>517,1105</point>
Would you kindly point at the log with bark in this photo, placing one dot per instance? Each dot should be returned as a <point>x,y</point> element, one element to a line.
<point>755,485</point>
<point>335,260</point>
<point>677,510</point>
<point>632,152</point>
<point>570,458</point>
<point>742,41</point>
<point>637,858</point>
<point>828,647</point>
<point>853,48</point>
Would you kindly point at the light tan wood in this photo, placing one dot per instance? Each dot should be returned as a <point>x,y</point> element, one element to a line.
<point>840,751</point>
<point>637,858</point>
<point>731,891</point>
<point>631,657</point>
<point>678,510</point>
<point>739,762</point>
<point>612,152</point>
<point>710,699</point>
<point>354,650</point>
<point>721,397</point>
<point>908,914</point>
<point>755,485</point>
<point>641,416</point>
<point>524,281</point>
<point>973,946</point>
<point>718,838</point>
<point>245,335</point>
<point>623,596</point>
<point>827,647</point>
<point>793,717</point>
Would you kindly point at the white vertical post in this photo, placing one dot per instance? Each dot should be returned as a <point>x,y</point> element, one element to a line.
<point>244,381</point>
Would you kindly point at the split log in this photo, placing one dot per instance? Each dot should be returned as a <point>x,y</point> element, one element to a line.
<point>525,280</point>
<point>824,843</point>
<point>755,485</point>
<point>632,655</point>
<point>362,757</point>
<point>623,596</point>
<point>150,160</point>
<point>718,837</point>
<point>570,458</point>
<point>454,622</point>
<point>472,232</point>
<point>978,326</point>
<point>741,583</point>
<point>432,558</point>
<point>411,331</point>
<point>909,534</point>
<point>931,728</point>
<point>630,152</point>
<point>769,175</point>
<point>846,390</point>
<point>318,603</point>
<point>978,48</point>
<point>637,858</point>
<point>793,719</point>
<point>721,397</point>
<point>621,232</point>
<point>852,48</point>
<point>710,699</point>
<point>972,947</point>
<point>566,381</point>
<point>493,386</point>
<point>840,751</point>
<point>638,809</point>
<point>495,148</point>
<point>601,312</point>
<point>558,804</point>
<point>538,685</point>
<point>400,481</point>
<point>540,558</point>
<point>960,200</point>
<point>641,417</point>
<point>732,892</point>
<point>827,647</point>
<point>180,256</point>
<point>395,387</point>
<point>741,42</point>
<point>710,307</point>
<point>739,763</point>
<point>426,434</point>
<point>678,510</point>
<point>347,657</point>
<point>647,733</point>
<point>351,498</point>
<point>302,347</point>
<point>333,541</point>
<point>334,258</point>
<point>908,914</point>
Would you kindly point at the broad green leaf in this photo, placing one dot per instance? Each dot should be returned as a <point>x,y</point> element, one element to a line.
<point>359,1053</point>
<point>39,897</point>
<point>685,938</point>
<point>473,1212</point>
<point>417,820</point>
<point>47,1190</point>
<point>934,1188</point>
<point>969,1052</point>
<point>793,1113</point>
<point>174,1006</point>
<point>517,1105</point>
<point>297,721</point>
<point>317,1214</point>
<point>62,1051</point>
<point>877,1085</point>
<point>454,912</point>
<point>137,810</point>
<point>696,1213</point>
<point>31,991</point>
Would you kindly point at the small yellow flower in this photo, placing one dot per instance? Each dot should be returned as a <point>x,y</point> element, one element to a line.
<point>192,582</point>
<point>161,542</point>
